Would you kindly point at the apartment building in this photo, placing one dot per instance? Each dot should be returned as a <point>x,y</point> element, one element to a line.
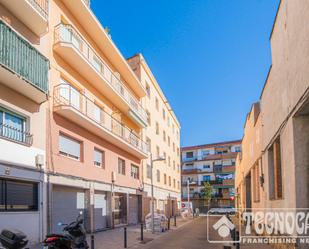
<point>284,105</point>
<point>163,138</point>
<point>212,163</point>
<point>96,121</point>
<point>24,89</point>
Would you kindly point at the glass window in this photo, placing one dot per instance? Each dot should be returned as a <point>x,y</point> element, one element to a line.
<point>189,154</point>
<point>163,113</point>
<point>149,171</point>
<point>158,175</point>
<point>18,195</point>
<point>121,166</point>
<point>157,104</point>
<point>134,171</point>
<point>69,147</point>
<point>98,158</point>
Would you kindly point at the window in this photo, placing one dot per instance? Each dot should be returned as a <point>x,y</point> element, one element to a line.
<point>158,175</point>
<point>206,166</point>
<point>157,128</point>
<point>148,90</point>
<point>158,151</point>
<point>174,165</point>
<point>164,136</point>
<point>275,172</point>
<point>173,128</point>
<point>121,166</point>
<point>169,161</point>
<point>134,171</point>
<point>157,104</point>
<point>18,195</point>
<point>178,168</point>
<point>173,147</point>
<point>149,171</point>
<point>177,133</point>
<point>13,126</point>
<point>98,158</point>
<point>164,155</point>
<point>164,178</point>
<point>169,141</point>
<point>178,185</point>
<point>168,121</point>
<point>177,151</point>
<point>148,117</point>
<point>169,181</point>
<point>189,154</point>
<point>174,183</point>
<point>148,142</point>
<point>163,113</point>
<point>69,147</point>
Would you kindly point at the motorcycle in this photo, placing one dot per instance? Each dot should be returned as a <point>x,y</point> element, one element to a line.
<point>13,240</point>
<point>74,236</point>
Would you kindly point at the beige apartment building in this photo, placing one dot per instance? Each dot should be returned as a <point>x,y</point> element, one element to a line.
<point>212,163</point>
<point>163,138</point>
<point>24,89</point>
<point>284,122</point>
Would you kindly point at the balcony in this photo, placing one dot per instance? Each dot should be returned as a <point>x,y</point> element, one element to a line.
<point>22,67</point>
<point>78,108</point>
<point>33,13</point>
<point>78,53</point>
<point>228,169</point>
<point>190,159</point>
<point>12,134</point>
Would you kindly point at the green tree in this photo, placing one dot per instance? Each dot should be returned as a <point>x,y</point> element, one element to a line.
<point>206,192</point>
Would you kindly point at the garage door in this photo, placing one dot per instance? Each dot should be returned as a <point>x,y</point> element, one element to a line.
<point>66,205</point>
<point>100,211</point>
<point>133,209</point>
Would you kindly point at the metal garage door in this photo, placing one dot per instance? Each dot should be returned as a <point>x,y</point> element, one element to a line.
<point>100,211</point>
<point>133,209</point>
<point>66,204</point>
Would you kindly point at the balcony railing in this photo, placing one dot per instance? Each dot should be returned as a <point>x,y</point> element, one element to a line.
<point>14,134</point>
<point>20,57</point>
<point>66,33</point>
<point>87,2</point>
<point>66,95</point>
<point>41,6</point>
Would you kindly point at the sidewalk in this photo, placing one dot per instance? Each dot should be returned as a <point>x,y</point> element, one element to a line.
<point>114,239</point>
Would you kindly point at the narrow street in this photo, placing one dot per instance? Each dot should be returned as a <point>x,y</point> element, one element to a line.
<point>190,236</point>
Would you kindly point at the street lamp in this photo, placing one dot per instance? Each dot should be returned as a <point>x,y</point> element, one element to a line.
<point>189,181</point>
<point>152,202</point>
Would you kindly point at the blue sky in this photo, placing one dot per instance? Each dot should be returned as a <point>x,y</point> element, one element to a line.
<point>210,57</point>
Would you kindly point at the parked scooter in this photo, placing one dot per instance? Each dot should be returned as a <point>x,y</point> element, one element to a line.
<point>74,236</point>
<point>12,240</point>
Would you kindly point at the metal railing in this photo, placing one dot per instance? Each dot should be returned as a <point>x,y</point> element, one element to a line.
<point>41,6</point>
<point>22,58</point>
<point>66,33</point>
<point>87,2</point>
<point>14,134</point>
<point>66,95</point>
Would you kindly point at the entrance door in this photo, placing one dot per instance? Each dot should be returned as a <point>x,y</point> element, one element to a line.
<point>120,210</point>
